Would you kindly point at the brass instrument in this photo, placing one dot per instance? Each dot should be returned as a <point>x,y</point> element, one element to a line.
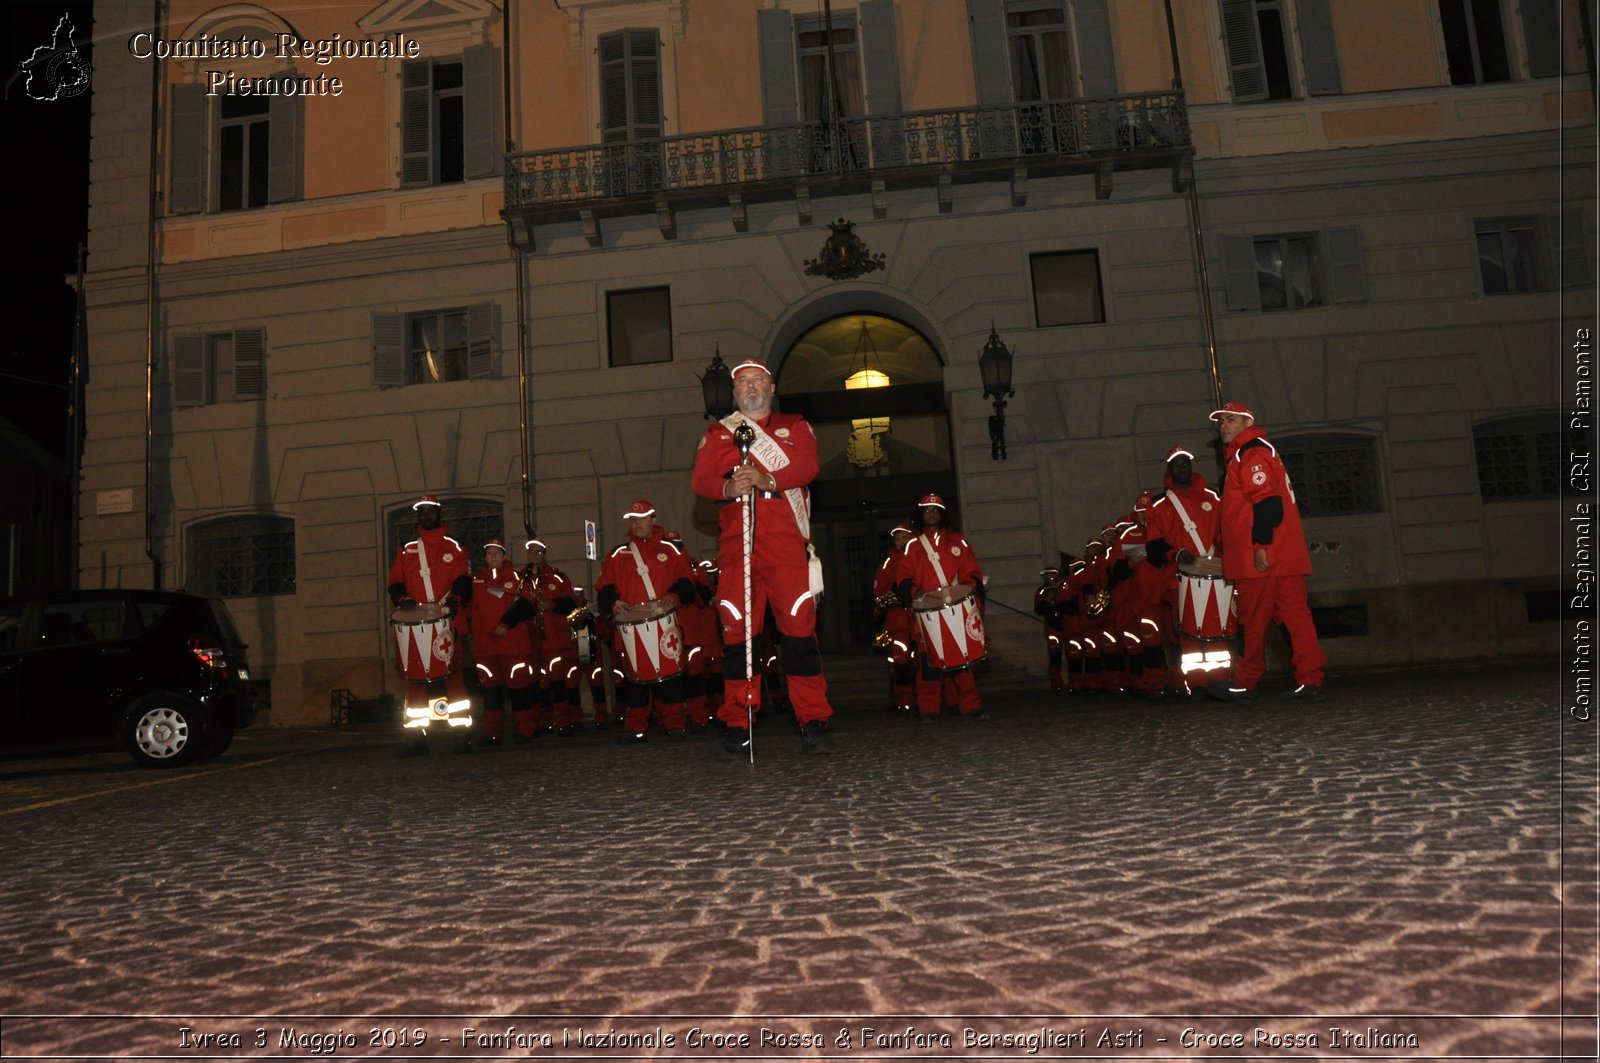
<point>886,601</point>
<point>883,640</point>
<point>1098,602</point>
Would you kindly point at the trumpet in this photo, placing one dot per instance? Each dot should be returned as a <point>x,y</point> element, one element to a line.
<point>883,640</point>
<point>886,601</point>
<point>1098,602</point>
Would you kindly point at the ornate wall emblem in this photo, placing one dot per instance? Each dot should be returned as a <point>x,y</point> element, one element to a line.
<point>843,255</point>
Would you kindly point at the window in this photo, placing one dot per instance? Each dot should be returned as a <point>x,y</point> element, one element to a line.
<point>1293,271</point>
<point>233,152</point>
<point>65,623</point>
<point>242,557</point>
<point>1066,288</point>
<point>1508,256</point>
<point>1474,41</point>
<point>1261,50</point>
<point>811,46</point>
<point>1040,69</point>
<point>1520,457</point>
<point>639,326</point>
<point>447,111</point>
<point>435,346</point>
<point>630,109</point>
<point>218,367</point>
<point>1332,475</point>
<point>469,521</point>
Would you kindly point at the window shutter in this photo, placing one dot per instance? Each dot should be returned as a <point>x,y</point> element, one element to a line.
<point>882,55</point>
<point>480,152</point>
<point>188,190</point>
<point>644,88</point>
<point>1096,56</point>
<point>1318,48</point>
<point>1246,67</point>
<point>1576,256</point>
<point>284,148</point>
<point>1239,272</point>
<point>188,370</point>
<point>416,122</point>
<point>613,87</point>
<point>1541,27</point>
<point>249,363</point>
<point>388,350</point>
<point>480,341</point>
<point>1347,273</point>
<point>991,54</point>
<point>775,30</point>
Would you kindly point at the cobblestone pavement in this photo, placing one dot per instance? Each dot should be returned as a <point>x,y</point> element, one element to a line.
<point>1411,861</point>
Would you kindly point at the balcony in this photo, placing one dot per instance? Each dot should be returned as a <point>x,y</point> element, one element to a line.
<point>931,149</point>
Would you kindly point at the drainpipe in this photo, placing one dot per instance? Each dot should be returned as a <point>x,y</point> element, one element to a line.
<point>519,266</point>
<point>157,70</point>
<point>1197,234</point>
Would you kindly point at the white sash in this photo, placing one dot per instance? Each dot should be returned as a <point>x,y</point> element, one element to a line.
<point>770,453</point>
<point>644,572</point>
<point>427,576</point>
<point>1200,548</point>
<point>938,569</point>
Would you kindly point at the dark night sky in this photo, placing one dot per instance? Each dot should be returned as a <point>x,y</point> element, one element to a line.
<point>46,204</point>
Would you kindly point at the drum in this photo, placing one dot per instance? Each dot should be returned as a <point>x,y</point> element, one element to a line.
<point>425,640</point>
<point>1205,600</point>
<point>951,628</point>
<point>652,645</point>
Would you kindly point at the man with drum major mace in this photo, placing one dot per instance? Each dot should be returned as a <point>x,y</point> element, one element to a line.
<point>940,563</point>
<point>429,580</point>
<point>765,519</point>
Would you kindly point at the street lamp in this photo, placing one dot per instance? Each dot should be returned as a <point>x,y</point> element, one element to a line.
<point>716,388</point>
<point>995,366</point>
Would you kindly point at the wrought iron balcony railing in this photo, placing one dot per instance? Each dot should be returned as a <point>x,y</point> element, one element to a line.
<point>1131,130</point>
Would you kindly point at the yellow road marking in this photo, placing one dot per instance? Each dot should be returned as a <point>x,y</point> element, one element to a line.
<point>37,805</point>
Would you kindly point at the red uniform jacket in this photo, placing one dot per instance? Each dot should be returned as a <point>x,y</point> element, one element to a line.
<point>719,454</point>
<point>1258,509</point>
<point>668,567</point>
<point>955,556</point>
<point>560,598</point>
<point>897,619</point>
<point>493,592</point>
<point>447,568</point>
<point>1166,534</point>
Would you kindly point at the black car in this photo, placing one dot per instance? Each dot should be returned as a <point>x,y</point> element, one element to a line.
<point>160,674</point>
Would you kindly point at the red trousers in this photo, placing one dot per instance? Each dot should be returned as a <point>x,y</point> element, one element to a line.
<point>780,580</point>
<point>1262,601</point>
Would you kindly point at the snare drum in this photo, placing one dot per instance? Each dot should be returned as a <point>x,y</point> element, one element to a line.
<point>1205,600</point>
<point>425,639</point>
<point>951,628</point>
<point>652,645</point>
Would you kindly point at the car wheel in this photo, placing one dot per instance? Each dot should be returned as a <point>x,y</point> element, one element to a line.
<point>163,731</point>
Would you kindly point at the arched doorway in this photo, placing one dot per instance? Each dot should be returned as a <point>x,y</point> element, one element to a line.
<point>872,387</point>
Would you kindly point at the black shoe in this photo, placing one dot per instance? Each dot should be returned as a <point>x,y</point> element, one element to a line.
<point>697,728</point>
<point>928,719</point>
<point>566,732</point>
<point>814,738</point>
<point>419,748</point>
<point>1306,692</point>
<point>464,744</point>
<point>981,714</point>
<point>492,743</point>
<point>1222,690</point>
<point>629,738</point>
<point>547,729</point>
<point>737,743</point>
<point>677,734</point>
<point>522,739</point>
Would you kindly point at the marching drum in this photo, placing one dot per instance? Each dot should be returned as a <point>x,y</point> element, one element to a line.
<point>1205,600</point>
<point>652,645</point>
<point>951,628</point>
<point>425,639</point>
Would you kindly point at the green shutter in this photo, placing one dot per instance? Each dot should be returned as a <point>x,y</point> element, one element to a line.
<point>1346,261</point>
<point>481,341</point>
<point>1318,49</point>
<point>284,148</point>
<point>1246,67</point>
<point>775,33</point>
<point>480,146</point>
<point>416,122</point>
<point>1541,28</point>
<point>388,350</point>
<point>188,370</point>
<point>249,363</point>
<point>187,192</point>
<point>991,54</point>
<point>1096,55</point>
<point>1242,285</point>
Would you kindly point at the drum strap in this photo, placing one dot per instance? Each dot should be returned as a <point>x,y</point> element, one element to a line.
<point>424,571</point>
<point>644,572</point>
<point>1200,548</point>
<point>933,558</point>
<point>772,458</point>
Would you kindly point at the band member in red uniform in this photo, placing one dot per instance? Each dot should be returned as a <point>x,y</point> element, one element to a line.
<point>1264,553</point>
<point>1182,526</point>
<point>1044,605</point>
<point>897,637</point>
<point>771,489</point>
<point>703,670</point>
<point>1139,610</point>
<point>503,658</point>
<point>1069,607</point>
<point>546,600</point>
<point>648,568</point>
<point>432,570</point>
<point>1084,601</point>
<point>933,560</point>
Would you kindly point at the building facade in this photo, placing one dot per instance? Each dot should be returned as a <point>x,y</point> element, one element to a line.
<point>486,250</point>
